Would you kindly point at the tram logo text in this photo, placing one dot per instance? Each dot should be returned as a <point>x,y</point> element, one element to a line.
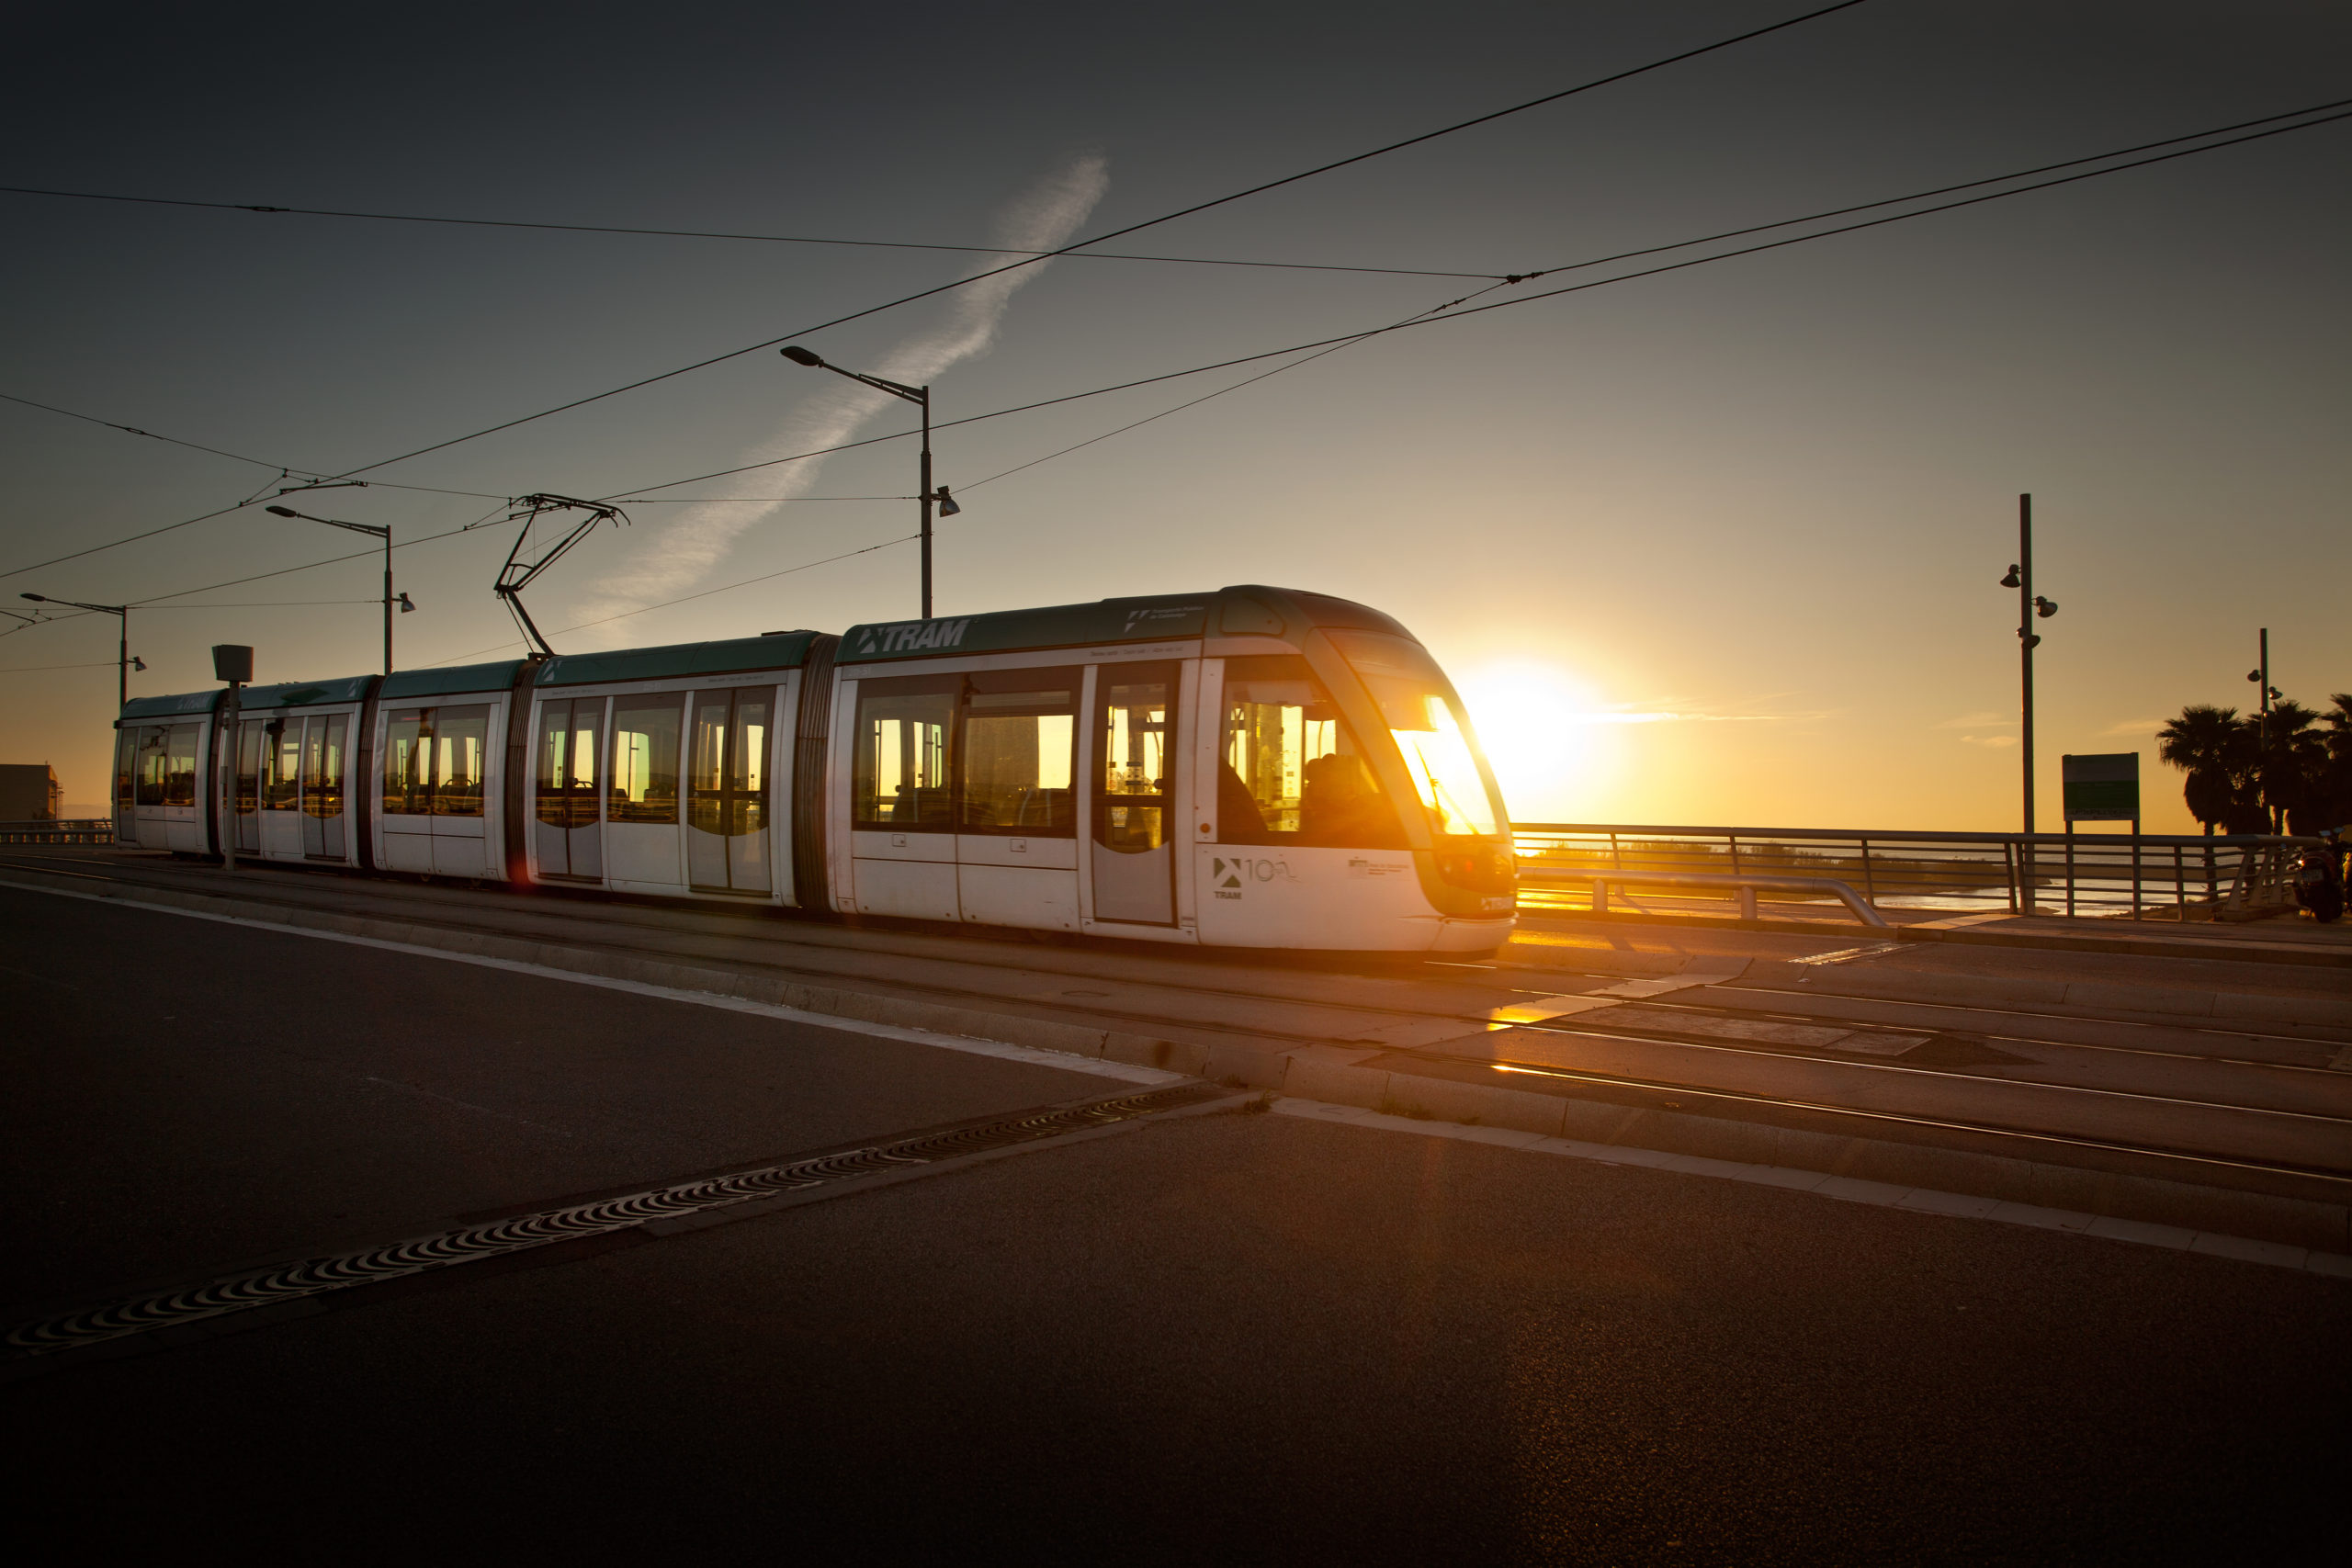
<point>907,635</point>
<point>1228,878</point>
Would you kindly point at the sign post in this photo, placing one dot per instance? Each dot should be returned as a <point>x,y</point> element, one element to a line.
<point>2102,786</point>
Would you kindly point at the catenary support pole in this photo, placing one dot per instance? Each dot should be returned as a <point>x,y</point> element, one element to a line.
<point>2262,730</point>
<point>925,486</point>
<point>2026,641</point>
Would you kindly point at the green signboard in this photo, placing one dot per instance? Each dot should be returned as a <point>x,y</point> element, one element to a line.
<point>2102,787</point>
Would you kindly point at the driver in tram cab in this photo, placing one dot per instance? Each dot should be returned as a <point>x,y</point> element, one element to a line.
<point>1340,804</point>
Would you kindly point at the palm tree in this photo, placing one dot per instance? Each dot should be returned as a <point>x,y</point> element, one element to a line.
<point>2332,802</point>
<point>2293,767</point>
<point>2209,745</point>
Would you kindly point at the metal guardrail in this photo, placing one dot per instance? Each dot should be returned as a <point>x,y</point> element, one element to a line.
<point>65,831</point>
<point>2139,877</point>
<point>1743,888</point>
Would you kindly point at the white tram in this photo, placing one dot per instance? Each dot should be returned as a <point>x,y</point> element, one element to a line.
<point>1255,767</point>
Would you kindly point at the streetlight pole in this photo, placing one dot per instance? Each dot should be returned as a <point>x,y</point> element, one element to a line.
<point>122,644</point>
<point>2261,673</point>
<point>920,398</point>
<point>374,530</point>
<point>2031,607</point>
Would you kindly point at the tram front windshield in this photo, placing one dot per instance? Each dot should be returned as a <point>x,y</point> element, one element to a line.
<point>1426,720</point>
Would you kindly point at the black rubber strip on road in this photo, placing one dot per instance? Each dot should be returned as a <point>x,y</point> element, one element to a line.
<point>294,1289</point>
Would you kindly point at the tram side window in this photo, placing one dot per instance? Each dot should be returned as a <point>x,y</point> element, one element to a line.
<point>322,768</point>
<point>567,777</point>
<point>899,772</point>
<point>408,786</point>
<point>282,774</point>
<point>1291,771</point>
<point>249,740</point>
<point>154,759</point>
<point>1019,729</point>
<point>126,768</point>
<point>460,760</point>
<point>727,761</point>
<point>179,766</point>
<point>646,731</point>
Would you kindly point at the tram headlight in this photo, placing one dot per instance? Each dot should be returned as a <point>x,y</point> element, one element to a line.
<point>1479,868</point>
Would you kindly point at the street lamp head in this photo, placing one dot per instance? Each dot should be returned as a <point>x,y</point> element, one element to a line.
<point>138,663</point>
<point>2253,675</point>
<point>947,507</point>
<point>2012,580</point>
<point>2045,608</point>
<point>405,605</point>
<point>36,598</point>
<point>281,511</point>
<point>800,356</point>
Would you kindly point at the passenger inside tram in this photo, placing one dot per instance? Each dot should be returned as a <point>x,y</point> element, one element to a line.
<point>1290,771</point>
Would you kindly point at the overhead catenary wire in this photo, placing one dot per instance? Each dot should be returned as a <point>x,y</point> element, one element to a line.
<point>634,497</point>
<point>704,593</point>
<point>309,475</point>
<point>1033,259</point>
<point>724,234</point>
<point>1455,315</point>
<point>1200,206</point>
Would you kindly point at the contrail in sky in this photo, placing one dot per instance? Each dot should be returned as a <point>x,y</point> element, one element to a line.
<point>688,546</point>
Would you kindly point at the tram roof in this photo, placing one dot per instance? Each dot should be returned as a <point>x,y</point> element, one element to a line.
<point>777,650</point>
<point>171,707</point>
<point>304,693</point>
<point>1246,610</point>
<point>461,678</point>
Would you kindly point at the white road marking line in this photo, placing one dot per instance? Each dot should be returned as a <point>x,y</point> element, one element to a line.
<point>1847,954</point>
<point>1542,1008</point>
<point>1919,1200</point>
<point>1066,1061</point>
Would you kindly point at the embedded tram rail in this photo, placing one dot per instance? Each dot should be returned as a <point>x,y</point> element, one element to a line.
<point>2245,1114</point>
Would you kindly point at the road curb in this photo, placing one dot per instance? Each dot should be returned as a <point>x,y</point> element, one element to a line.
<point>1334,1077</point>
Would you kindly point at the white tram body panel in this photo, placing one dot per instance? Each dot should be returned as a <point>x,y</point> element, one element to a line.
<point>659,770</point>
<point>162,748</point>
<point>297,776</point>
<point>440,744</point>
<point>1252,767</point>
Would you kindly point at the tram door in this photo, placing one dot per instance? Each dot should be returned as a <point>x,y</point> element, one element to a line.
<point>126,775</point>
<point>568,818</point>
<point>1133,861</point>
<point>727,809</point>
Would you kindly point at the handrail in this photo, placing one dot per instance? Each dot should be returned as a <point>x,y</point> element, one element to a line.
<point>1749,886</point>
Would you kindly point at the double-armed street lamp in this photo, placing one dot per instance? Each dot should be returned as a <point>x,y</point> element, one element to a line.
<point>123,661</point>
<point>920,398</point>
<point>2031,607</point>
<point>376,530</point>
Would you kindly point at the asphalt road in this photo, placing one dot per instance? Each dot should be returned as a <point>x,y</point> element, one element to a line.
<point>1226,1337</point>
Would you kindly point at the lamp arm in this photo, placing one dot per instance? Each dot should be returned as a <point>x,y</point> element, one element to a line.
<point>896,388</point>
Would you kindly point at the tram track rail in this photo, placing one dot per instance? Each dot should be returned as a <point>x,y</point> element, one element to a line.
<point>1196,996</point>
